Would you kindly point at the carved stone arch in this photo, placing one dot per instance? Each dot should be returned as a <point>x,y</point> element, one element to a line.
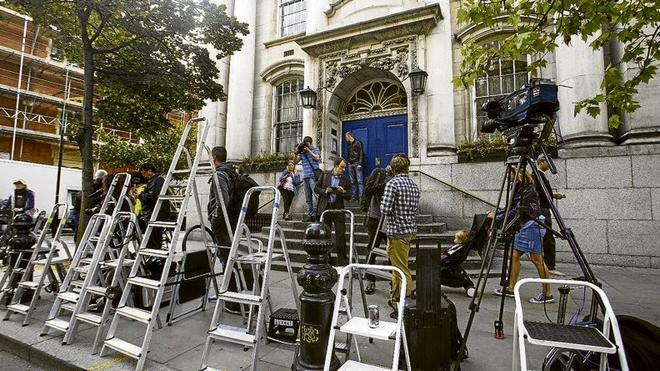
<point>283,69</point>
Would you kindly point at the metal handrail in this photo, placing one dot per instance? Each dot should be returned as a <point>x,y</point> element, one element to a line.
<point>466,193</point>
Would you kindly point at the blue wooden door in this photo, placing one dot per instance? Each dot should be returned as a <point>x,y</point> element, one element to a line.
<point>382,137</point>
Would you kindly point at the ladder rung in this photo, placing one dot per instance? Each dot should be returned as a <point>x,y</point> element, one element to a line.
<point>342,347</point>
<point>91,318</point>
<point>181,171</point>
<point>97,290</point>
<point>135,313</point>
<point>124,347</point>
<point>57,324</point>
<point>379,252</point>
<point>68,307</point>
<point>29,285</point>
<point>93,238</point>
<point>69,296</point>
<point>55,260</point>
<point>86,260</point>
<point>162,224</point>
<point>155,252</point>
<point>144,282</point>
<point>172,197</point>
<point>19,270</point>
<point>240,297</point>
<point>355,365</point>
<point>18,308</point>
<point>77,283</point>
<point>113,263</point>
<point>84,269</point>
<point>257,258</point>
<point>233,334</point>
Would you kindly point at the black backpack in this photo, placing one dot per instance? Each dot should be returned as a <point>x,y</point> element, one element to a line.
<point>242,184</point>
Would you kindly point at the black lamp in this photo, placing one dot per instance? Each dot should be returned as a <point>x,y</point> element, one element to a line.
<point>308,98</point>
<point>417,80</point>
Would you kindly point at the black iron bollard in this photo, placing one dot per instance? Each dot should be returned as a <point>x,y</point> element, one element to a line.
<point>317,300</point>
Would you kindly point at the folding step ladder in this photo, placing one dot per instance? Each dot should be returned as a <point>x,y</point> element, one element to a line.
<point>261,262</point>
<point>353,258</point>
<point>359,326</point>
<point>567,336</point>
<point>111,271</point>
<point>10,274</point>
<point>150,317</point>
<point>97,233</point>
<point>53,267</point>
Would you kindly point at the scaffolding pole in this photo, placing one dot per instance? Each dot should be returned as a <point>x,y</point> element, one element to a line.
<point>18,91</point>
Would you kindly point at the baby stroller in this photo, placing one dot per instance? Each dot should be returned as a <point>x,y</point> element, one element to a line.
<point>452,273</point>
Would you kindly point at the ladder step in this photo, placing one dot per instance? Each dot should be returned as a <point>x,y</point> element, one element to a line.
<point>93,239</point>
<point>379,252</point>
<point>342,347</point>
<point>379,273</point>
<point>357,366</point>
<point>233,334</point>
<point>77,283</point>
<point>84,269</point>
<point>18,308</point>
<point>69,296</point>
<point>91,318</point>
<point>97,290</point>
<point>162,224</point>
<point>360,326</point>
<point>172,197</point>
<point>29,285</point>
<point>257,258</point>
<point>155,252</point>
<point>134,313</point>
<point>57,324</point>
<point>56,260</point>
<point>240,297</point>
<point>124,347</point>
<point>113,263</point>
<point>68,307</point>
<point>144,282</point>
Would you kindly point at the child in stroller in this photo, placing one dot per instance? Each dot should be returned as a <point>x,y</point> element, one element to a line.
<point>452,274</point>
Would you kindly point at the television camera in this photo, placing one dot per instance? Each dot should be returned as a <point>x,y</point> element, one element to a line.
<point>518,114</point>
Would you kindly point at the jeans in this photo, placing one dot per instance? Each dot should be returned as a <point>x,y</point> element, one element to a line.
<point>309,195</point>
<point>357,179</point>
<point>398,250</point>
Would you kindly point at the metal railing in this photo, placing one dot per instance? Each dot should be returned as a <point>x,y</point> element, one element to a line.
<point>453,187</point>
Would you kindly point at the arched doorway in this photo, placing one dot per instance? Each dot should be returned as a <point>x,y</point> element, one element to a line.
<point>376,114</point>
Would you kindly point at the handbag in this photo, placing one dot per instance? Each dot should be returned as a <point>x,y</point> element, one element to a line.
<point>316,172</point>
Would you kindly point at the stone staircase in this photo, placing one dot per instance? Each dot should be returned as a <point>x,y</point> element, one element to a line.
<point>294,232</point>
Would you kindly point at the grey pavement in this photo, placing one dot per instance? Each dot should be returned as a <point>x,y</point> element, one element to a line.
<point>632,291</point>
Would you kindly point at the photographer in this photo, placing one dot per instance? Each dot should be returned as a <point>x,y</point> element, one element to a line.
<point>355,161</point>
<point>21,200</point>
<point>529,237</point>
<point>333,188</point>
<point>310,157</point>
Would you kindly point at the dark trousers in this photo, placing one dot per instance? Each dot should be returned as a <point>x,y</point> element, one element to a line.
<point>221,236</point>
<point>548,241</point>
<point>337,221</point>
<point>288,199</point>
<point>372,230</point>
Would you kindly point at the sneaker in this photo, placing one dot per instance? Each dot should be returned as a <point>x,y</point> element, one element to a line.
<point>394,315</point>
<point>554,272</point>
<point>505,292</point>
<point>287,216</point>
<point>541,298</point>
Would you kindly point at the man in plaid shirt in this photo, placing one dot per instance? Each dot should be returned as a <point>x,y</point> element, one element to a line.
<point>399,205</point>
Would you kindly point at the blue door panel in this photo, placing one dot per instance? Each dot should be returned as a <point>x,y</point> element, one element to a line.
<point>382,137</point>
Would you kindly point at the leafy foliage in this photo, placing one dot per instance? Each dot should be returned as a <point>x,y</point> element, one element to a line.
<point>483,146</point>
<point>540,25</point>
<point>266,161</point>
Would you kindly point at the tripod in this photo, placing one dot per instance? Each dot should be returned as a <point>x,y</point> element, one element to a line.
<point>520,158</point>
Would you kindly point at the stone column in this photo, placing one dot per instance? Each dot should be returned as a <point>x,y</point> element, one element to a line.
<point>581,68</point>
<point>241,86</point>
<point>441,139</point>
<point>315,21</point>
<point>216,111</point>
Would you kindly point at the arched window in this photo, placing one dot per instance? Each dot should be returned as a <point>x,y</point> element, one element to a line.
<point>504,77</point>
<point>377,96</point>
<point>288,121</point>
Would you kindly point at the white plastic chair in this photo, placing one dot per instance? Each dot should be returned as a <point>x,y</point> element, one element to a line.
<point>359,326</point>
<point>566,336</point>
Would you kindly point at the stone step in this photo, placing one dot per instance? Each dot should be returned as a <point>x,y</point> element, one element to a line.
<point>360,217</point>
<point>434,227</point>
<point>360,235</point>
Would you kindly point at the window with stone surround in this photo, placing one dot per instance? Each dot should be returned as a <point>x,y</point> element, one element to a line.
<point>288,125</point>
<point>292,17</point>
<point>504,77</point>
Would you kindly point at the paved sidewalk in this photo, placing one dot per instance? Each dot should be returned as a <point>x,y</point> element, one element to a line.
<point>631,291</point>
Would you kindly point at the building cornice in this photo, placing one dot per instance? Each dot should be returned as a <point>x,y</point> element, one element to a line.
<point>417,21</point>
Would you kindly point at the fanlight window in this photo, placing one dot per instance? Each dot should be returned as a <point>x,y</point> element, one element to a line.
<point>377,96</point>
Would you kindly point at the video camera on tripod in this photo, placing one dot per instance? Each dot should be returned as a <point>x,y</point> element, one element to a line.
<point>517,114</point>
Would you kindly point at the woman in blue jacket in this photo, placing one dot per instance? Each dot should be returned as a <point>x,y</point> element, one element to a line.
<point>287,183</point>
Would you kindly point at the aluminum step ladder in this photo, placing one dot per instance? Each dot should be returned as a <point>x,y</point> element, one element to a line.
<point>10,274</point>
<point>261,261</point>
<point>209,244</point>
<point>53,267</point>
<point>353,258</point>
<point>149,318</point>
<point>113,271</point>
<point>97,233</point>
<point>359,326</point>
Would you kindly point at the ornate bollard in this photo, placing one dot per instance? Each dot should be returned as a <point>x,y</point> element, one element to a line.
<point>317,300</point>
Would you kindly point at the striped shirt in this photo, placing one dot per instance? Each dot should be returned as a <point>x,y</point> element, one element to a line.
<point>308,162</point>
<point>400,203</point>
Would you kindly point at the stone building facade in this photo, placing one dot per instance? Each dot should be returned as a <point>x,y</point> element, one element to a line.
<point>356,55</point>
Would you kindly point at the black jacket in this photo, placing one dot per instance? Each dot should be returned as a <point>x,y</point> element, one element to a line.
<point>323,183</point>
<point>355,153</point>
<point>226,178</point>
<point>149,197</point>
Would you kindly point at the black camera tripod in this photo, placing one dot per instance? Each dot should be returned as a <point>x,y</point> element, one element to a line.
<point>520,158</point>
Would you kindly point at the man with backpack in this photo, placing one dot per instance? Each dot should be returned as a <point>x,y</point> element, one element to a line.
<point>227,176</point>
